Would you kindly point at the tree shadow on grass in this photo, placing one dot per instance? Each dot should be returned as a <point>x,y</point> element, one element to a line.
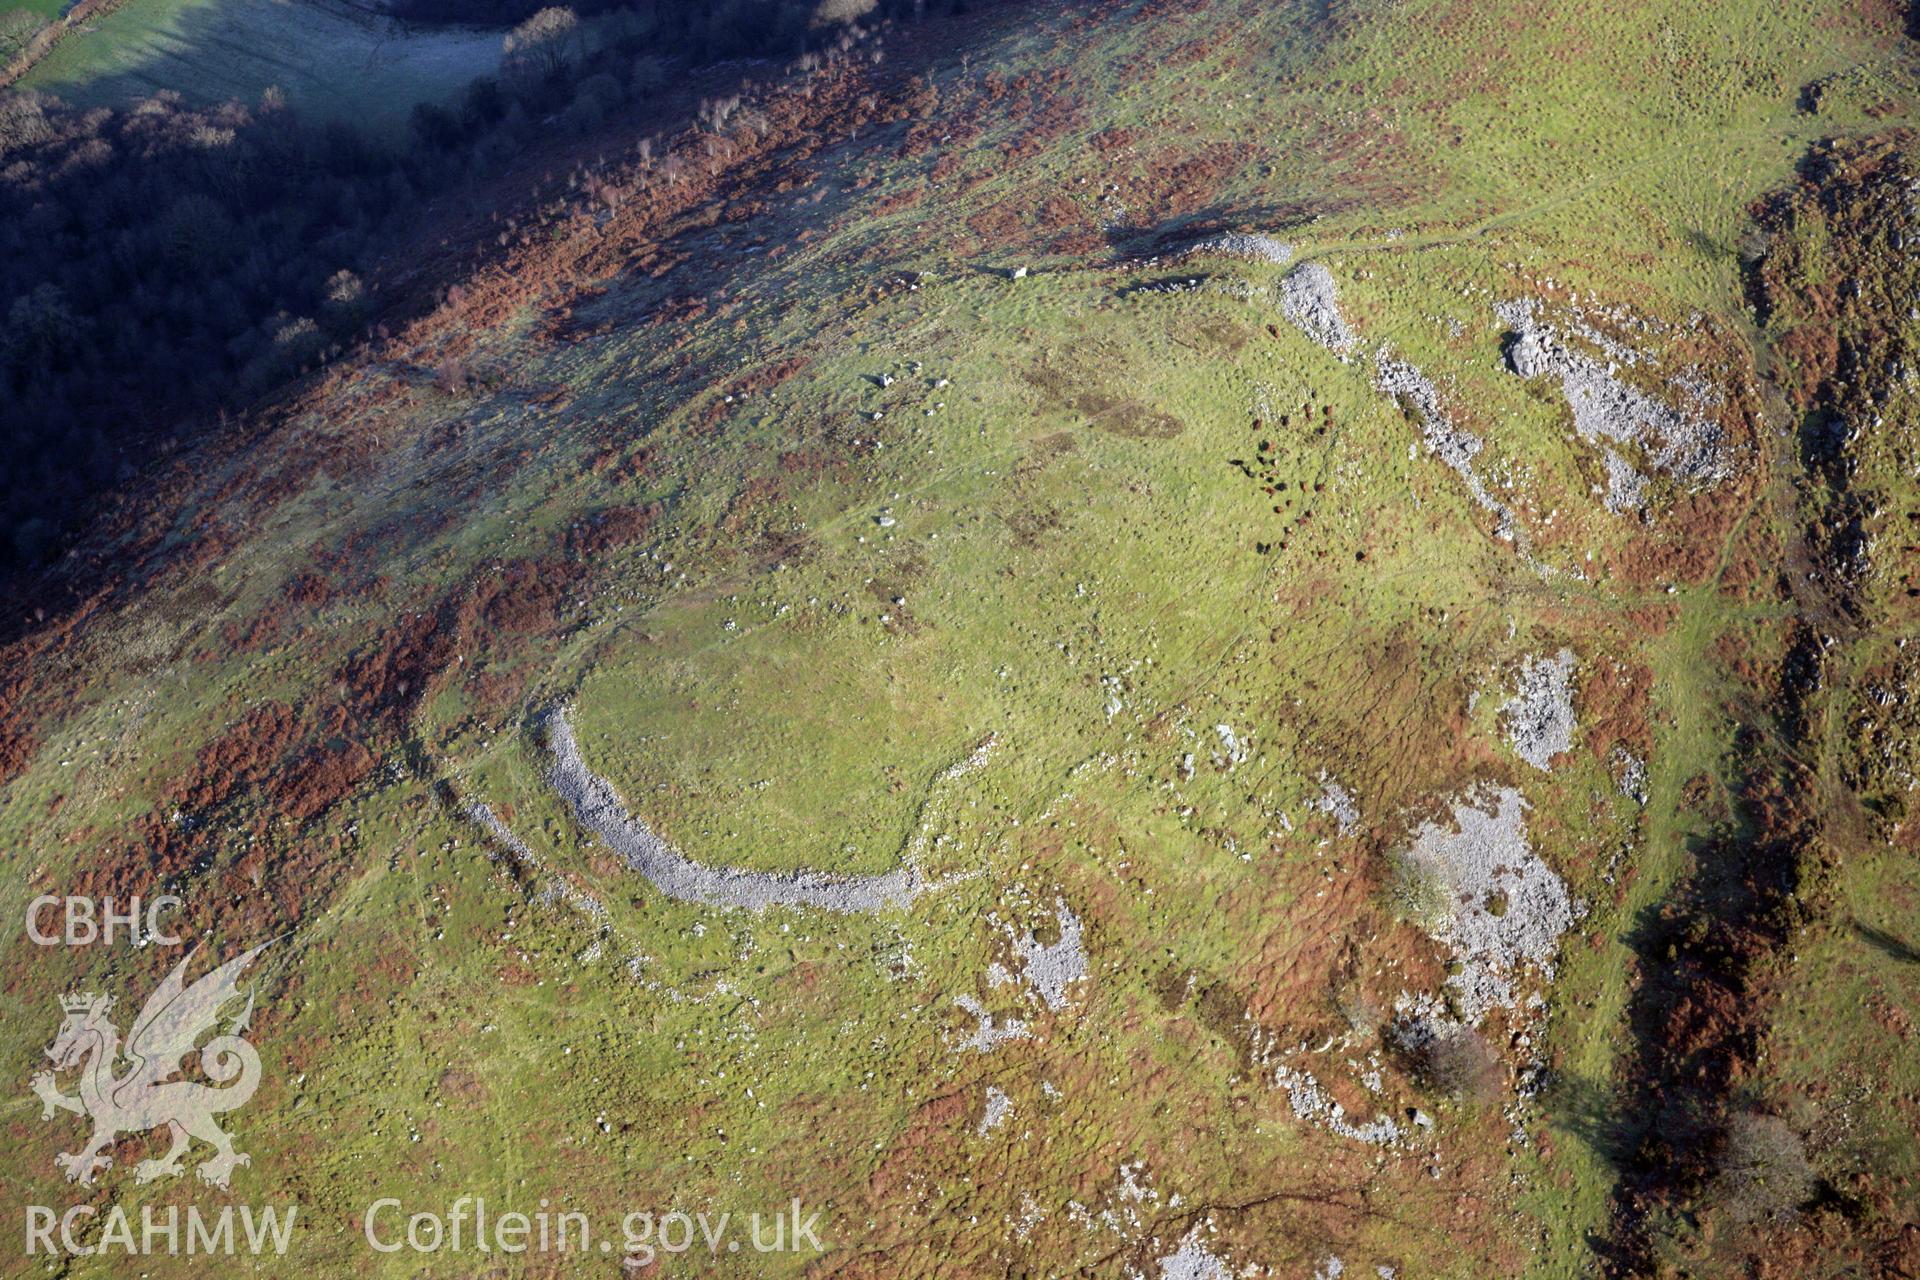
<point>1592,1111</point>
<point>1885,943</point>
<point>1133,241</point>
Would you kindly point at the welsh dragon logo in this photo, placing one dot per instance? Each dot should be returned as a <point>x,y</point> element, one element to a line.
<point>146,1096</point>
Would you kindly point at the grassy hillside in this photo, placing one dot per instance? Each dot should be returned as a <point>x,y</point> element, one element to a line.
<point>904,473</point>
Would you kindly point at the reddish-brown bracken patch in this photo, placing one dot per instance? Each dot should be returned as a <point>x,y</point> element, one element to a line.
<point>612,528</point>
<point>1612,706</point>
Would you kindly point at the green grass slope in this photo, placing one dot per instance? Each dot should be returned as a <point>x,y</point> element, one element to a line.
<point>1097,591</point>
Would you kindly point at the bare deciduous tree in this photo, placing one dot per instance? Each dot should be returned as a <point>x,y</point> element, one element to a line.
<point>715,112</point>
<point>17,30</point>
<point>1763,1168</point>
<point>1458,1063</point>
<point>23,120</point>
<point>545,43</point>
